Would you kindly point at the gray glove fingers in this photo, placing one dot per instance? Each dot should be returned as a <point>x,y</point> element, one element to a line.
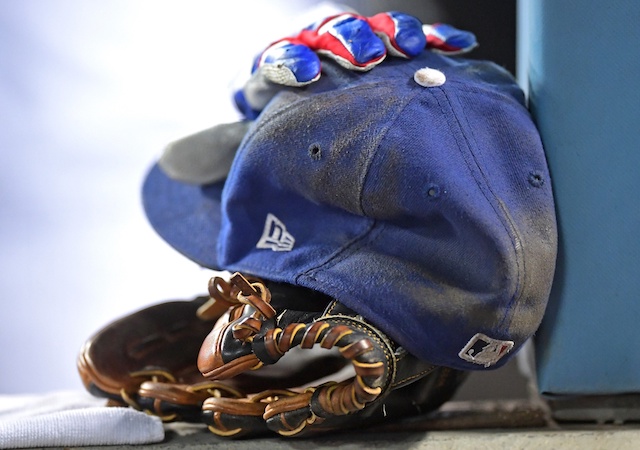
<point>204,157</point>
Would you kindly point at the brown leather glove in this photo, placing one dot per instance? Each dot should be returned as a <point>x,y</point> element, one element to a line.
<point>280,358</point>
<point>147,361</point>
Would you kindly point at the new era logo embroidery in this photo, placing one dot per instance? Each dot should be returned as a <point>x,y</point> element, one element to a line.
<point>482,349</point>
<point>275,236</point>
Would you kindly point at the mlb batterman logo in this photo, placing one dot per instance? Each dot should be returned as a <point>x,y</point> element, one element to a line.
<point>275,236</point>
<point>482,349</point>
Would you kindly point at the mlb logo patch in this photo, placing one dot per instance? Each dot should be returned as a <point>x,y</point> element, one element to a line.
<point>483,350</point>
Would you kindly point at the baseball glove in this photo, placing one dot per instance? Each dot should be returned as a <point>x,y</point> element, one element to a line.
<point>271,357</point>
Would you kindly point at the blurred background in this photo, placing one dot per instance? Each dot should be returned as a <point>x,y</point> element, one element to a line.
<point>90,93</point>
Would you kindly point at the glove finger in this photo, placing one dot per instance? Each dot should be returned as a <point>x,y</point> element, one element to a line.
<point>204,157</point>
<point>180,402</point>
<point>155,344</point>
<point>401,33</point>
<point>449,40</point>
<point>239,417</point>
<point>346,38</point>
<point>285,63</point>
<point>229,348</point>
<point>224,352</point>
<point>288,62</point>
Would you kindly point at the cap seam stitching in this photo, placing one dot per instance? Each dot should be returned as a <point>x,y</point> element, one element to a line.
<point>335,258</point>
<point>383,135</point>
<point>499,210</point>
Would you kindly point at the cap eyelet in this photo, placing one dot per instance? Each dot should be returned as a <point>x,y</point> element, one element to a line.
<point>536,179</point>
<point>315,152</point>
<point>433,191</point>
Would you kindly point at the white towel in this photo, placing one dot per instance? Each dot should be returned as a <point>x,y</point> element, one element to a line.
<point>72,419</point>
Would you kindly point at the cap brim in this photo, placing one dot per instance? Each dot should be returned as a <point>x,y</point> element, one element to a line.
<point>179,211</point>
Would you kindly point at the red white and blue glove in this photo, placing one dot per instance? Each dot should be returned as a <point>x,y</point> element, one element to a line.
<point>355,42</point>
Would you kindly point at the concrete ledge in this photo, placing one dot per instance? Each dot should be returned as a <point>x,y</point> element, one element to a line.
<point>490,425</point>
<point>594,439</point>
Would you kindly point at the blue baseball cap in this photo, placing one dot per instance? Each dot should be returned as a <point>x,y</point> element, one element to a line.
<point>426,207</point>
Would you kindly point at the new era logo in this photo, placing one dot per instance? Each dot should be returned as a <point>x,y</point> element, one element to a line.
<point>275,236</point>
<point>482,349</point>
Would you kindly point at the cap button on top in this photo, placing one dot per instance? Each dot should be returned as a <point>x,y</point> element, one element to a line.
<point>428,77</point>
